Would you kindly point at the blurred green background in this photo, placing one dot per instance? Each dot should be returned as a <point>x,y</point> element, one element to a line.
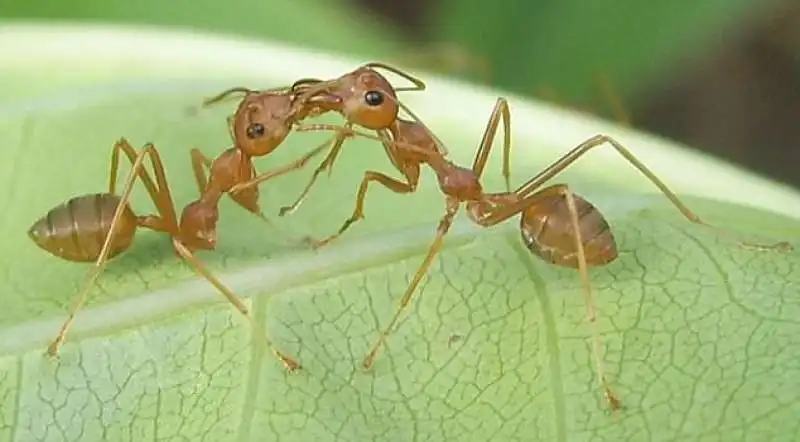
<point>720,75</point>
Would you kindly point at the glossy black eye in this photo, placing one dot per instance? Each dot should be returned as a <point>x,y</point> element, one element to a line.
<point>373,98</point>
<point>255,130</point>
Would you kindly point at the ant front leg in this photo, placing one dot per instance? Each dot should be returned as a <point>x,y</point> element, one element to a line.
<point>283,170</point>
<point>327,164</point>
<point>390,183</point>
<point>598,140</point>
<point>529,203</point>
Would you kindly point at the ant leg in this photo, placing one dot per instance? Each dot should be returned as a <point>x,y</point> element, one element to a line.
<point>302,161</point>
<point>343,132</point>
<point>451,209</point>
<point>200,163</point>
<point>390,183</point>
<point>290,363</point>
<point>496,214</point>
<point>326,164</point>
<point>283,170</point>
<point>123,145</point>
<point>168,222</point>
<point>137,171</point>
<point>501,111</point>
<point>598,140</point>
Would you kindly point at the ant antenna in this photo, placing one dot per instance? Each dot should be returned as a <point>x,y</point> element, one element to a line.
<point>226,94</point>
<point>304,81</point>
<point>419,85</point>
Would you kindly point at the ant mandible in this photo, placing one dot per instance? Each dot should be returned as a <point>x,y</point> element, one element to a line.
<point>97,227</point>
<point>556,225</point>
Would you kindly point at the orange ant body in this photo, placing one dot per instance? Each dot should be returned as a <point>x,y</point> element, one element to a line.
<point>97,227</point>
<point>556,225</point>
<point>75,231</point>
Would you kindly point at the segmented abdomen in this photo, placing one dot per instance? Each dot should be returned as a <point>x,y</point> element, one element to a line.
<point>77,229</point>
<point>547,232</point>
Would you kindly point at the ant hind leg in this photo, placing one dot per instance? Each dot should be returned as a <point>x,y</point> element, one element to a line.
<point>506,208</point>
<point>598,140</point>
<point>137,171</point>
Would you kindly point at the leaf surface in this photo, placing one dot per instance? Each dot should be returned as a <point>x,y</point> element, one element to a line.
<point>699,333</point>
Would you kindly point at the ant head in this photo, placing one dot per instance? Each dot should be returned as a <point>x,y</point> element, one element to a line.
<point>262,122</point>
<point>368,99</point>
<point>199,226</point>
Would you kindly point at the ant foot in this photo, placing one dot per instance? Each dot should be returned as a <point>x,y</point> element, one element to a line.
<point>52,349</point>
<point>316,245</point>
<point>613,400</point>
<point>367,364</point>
<point>286,210</point>
<point>290,364</point>
<point>780,247</point>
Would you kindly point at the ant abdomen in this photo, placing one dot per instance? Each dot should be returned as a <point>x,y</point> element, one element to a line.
<point>76,230</point>
<point>547,232</point>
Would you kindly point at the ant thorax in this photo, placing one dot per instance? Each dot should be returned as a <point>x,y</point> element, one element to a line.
<point>459,182</point>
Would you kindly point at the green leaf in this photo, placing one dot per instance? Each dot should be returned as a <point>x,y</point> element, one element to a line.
<point>699,332</point>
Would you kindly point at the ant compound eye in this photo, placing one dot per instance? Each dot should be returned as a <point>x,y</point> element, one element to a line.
<point>255,130</point>
<point>373,98</point>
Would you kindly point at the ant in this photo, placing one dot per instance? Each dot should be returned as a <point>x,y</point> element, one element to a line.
<point>556,225</point>
<point>99,226</point>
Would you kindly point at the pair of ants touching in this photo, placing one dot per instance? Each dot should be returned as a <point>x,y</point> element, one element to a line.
<point>556,225</point>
